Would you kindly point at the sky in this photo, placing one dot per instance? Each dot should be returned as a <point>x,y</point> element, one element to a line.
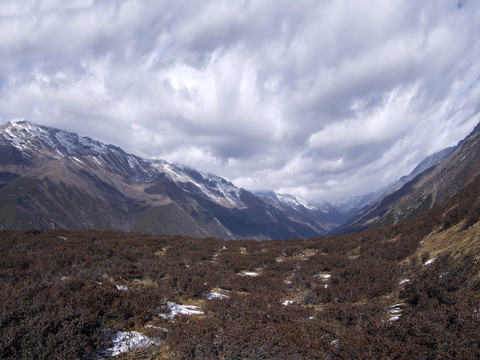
<point>324,99</point>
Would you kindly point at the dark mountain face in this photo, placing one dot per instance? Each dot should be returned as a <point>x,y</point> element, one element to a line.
<point>51,178</point>
<point>435,180</point>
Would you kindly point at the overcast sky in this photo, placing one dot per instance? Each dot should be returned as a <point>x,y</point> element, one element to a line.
<point>323,99</point>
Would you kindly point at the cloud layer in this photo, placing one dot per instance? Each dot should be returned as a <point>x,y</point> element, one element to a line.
<point>324,99</point>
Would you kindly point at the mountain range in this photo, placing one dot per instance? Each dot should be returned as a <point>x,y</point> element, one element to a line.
<point>50,178</point>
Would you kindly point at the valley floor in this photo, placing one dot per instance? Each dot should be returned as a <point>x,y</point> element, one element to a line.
<point>378,294</point>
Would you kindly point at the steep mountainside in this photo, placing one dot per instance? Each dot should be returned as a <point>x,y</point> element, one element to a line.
<point>432,182</point>
<point>50,178</point>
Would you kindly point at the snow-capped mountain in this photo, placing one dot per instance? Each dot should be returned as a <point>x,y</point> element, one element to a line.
<point>52,144</point>
<point>213,187</point>
<point>43,144</point>
<point>323,216</point>
<point>285,200</point>
<point>53,178</point>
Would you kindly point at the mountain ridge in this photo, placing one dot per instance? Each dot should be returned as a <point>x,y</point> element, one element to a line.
<point>130,190</point>
<point>435,180</point>
<point>44,171</point>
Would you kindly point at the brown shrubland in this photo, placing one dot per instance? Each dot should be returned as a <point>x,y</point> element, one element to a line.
<point>61,298</point>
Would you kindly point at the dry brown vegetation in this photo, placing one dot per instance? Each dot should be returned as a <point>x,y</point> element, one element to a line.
<point>60,297</point>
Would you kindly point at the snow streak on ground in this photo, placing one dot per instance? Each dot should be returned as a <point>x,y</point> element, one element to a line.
<point>249,273</point>
<point>216,295</point>
<point>395,312</point>
<point>323,276</point>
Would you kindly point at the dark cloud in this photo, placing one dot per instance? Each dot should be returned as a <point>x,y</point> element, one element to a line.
<point>321,98</point>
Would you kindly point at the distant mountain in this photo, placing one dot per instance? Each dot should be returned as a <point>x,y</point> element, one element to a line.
<point>322,217</point>
<point>350,205</point>
<point>435,180</point>
<point>50,178</point>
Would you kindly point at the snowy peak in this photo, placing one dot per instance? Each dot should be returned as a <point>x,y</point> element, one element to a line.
<point>53,142</point>
<point>287,200</point>
<point>295,201</point>
<point>211,186</point>
<point>219,188</point>
<point>50,144</point>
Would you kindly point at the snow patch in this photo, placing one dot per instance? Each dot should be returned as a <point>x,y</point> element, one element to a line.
<point>395,312</point>
<point>155,327</point>
<point>431,261</point>
<point>77,160</point>
<point>128,341</point>
<point>395,318</point>
<point>289,302</point>
<point>335,342</point>
<point>249,273</point>
<point>121,287</point>
<point>323,276</point>
<point>216,295</point>
<point>97,161</point>
<point>177,309</point>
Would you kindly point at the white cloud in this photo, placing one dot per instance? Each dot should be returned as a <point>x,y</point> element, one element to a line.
<point>320,98</point>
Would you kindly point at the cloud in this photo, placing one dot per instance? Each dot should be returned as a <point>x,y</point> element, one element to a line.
<point>324,99</point>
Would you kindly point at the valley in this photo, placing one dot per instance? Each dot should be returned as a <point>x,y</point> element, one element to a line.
<point>54,179</point>
<point>405,291</point>
<point>107,255</point>
<point>239,180</point>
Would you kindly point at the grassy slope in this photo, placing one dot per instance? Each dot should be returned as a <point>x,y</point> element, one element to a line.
<point>33,203</point>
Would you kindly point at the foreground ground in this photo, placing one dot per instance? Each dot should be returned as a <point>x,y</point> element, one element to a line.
<point>407,291</point>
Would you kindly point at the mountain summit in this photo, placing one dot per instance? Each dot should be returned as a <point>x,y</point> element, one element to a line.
<point>51,178</point>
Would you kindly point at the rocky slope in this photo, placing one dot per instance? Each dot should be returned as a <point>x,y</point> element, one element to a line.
<point>435,180</point>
